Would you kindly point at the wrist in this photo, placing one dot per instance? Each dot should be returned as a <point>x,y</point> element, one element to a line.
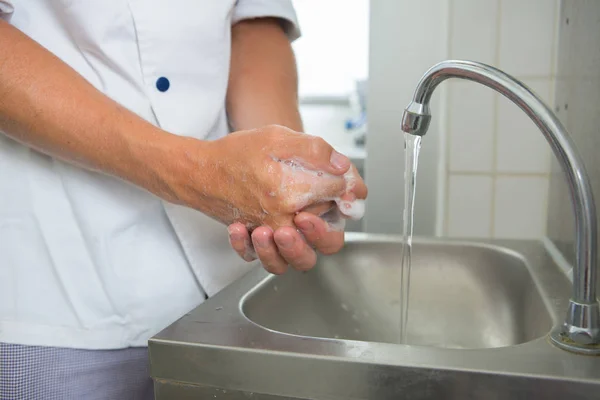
<point>152,158</point>
<point>182,170</point>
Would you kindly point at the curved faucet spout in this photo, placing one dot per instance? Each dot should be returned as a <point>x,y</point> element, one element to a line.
<point>581,330</point>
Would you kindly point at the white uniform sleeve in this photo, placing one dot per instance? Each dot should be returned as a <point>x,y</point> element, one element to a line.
<point>282,9</point>
<point>6,9</point>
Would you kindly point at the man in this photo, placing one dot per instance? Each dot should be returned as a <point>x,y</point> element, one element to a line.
<point>117,174</point>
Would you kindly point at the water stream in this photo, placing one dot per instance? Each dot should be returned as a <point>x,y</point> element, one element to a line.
<point>412,146</point>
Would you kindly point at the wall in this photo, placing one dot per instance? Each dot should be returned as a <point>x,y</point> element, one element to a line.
<point>484,169</point>
<point>497,162</point>
<point>406,38</point>
<point>578,106</point>
<point>333,50</point>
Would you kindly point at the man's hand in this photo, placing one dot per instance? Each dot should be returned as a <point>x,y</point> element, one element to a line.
<point>260,177</point>
<point>290,246</point>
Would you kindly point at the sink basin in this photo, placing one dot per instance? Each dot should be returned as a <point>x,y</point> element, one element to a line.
<point>479,320</point>
<point>462,296</point>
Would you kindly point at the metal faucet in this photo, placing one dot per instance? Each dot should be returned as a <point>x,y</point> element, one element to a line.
<point>581,330</point>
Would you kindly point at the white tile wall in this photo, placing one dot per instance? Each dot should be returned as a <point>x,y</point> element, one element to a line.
<point>471,127</point>
<point>520,207</point>
<point>527,34</point>
<point>521,148</point>
<point>470,206</point>
<point>476,39</point>
<point>498,165</point>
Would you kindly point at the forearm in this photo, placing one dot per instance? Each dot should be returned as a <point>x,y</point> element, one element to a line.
<point>263,83</point>
<point>48,106</point>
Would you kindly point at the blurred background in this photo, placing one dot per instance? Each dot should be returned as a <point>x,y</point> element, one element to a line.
<point>485,169</point>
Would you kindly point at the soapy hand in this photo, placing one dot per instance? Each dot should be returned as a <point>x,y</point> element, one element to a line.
<point>318,227</point>
<point>322,189</point>
<point>289,189</point>
<point>267,176</point>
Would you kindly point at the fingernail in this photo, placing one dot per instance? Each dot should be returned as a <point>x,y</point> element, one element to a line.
<point>233,229</point>
<point>306,226</point>
<point>262,242</point>
<point>339,161</point>
<point>236,236</point>
<point>287,242</point>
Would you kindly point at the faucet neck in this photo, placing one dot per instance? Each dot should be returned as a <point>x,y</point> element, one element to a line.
<point>583,319</point>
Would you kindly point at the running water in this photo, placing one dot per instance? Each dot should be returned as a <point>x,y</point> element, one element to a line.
<point>412,146</point>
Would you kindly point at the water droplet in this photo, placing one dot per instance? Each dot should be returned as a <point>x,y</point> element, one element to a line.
<point>218,308</point>
<point>275,288</point>
<point>344,306</point>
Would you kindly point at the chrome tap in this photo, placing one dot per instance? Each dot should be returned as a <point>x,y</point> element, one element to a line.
<point>581,330</point>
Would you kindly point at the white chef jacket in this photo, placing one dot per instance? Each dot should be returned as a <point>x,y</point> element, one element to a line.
<point>87,260</point>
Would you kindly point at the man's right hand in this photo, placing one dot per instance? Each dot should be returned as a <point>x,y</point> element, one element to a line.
<point>270,186</point>
<point>262,177</point>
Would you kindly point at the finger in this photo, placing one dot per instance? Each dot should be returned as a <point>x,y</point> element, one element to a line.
<point>294,249</point>
<point>327,186</point>
<point>358,184</point>
<point>318,233</point>
<point>323,188</point>
<point>266,249</point>
<point>318,155</point>
<point>239,238</point>
<point>350,207</point>
<point>320,208</point>
<point>303,191</point>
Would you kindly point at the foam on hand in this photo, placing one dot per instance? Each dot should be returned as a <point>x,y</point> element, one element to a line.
<point>352,209</point>
<point>296,171</point>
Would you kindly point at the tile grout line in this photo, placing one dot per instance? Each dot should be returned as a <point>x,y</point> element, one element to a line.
<point>554,54</point>
<point>446,217</point>
<point>503,174</point>
<point>495,129</point>
<point>553,70</point>
<point>552,102</point>
<point>533,77</point>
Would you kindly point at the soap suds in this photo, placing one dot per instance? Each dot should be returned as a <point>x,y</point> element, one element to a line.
<point>295,172</point>
<point>353,209</point>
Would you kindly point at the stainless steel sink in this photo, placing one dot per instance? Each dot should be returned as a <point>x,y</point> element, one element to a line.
<point>480,315</point>
<point>462,296</point>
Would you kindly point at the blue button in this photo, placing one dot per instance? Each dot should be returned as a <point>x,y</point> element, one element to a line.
<point>162,84</point>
